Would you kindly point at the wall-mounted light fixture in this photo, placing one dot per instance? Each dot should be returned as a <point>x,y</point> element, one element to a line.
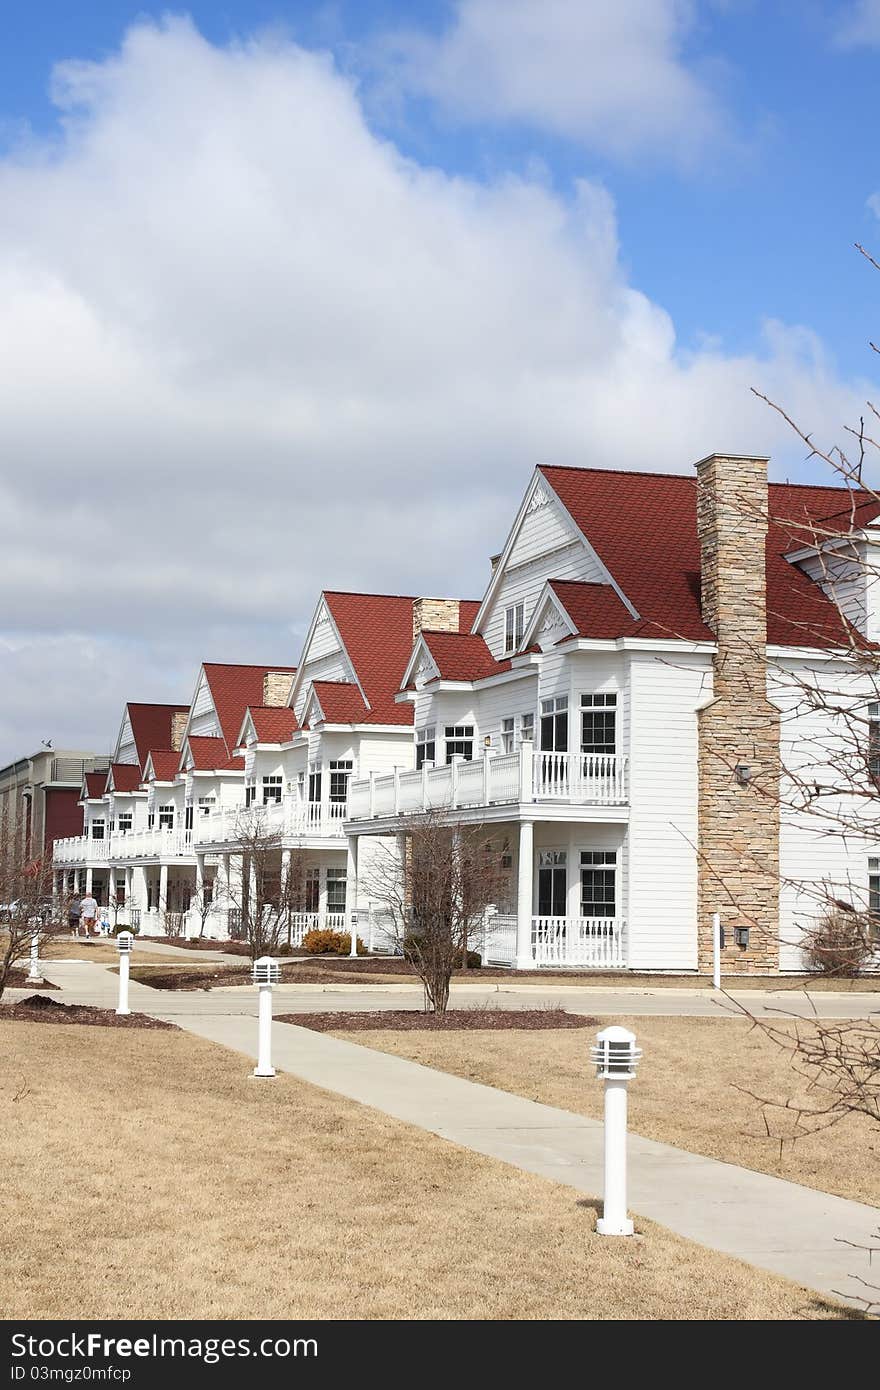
<point>743,774</point>
<point>741,937</point>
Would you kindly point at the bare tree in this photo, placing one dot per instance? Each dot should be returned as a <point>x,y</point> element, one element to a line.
<point>271,888</point>
<point>26,898</point>
<point>436,895</point>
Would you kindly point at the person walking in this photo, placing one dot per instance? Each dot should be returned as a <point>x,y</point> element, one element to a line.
<point>88,912</point>
<point>73,914</point>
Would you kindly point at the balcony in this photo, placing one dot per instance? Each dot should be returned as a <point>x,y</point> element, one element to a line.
<point>134,844</point>
<point>289,818</point>
<point>574,779</point>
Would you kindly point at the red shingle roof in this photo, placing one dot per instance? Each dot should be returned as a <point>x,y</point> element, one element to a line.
<point>166,762</point>
<point>151,726</point>
<point>462,657</point>
<point>273,724</point>
<point>341,702</point>
<point>95,783</point>
<point>126,777</point>
<point>643,526</point>
<point>233,689</point>
<point>377,632</point>
<point>207,753</point>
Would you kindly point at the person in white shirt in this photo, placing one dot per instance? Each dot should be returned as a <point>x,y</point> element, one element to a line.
<point>88,913</point>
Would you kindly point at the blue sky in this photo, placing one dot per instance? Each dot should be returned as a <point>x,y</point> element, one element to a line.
<point>762,230</point>
<point>296,296</point>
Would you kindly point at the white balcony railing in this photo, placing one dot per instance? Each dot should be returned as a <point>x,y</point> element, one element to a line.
<point>133,844</point>
<point>289,817</point>
<point>595,942</point>
<point>581,779</point>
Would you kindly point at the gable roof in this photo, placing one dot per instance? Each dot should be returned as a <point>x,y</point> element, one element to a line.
<point>341,702</point>
<point>273,723</point>
<point>233,689</point>
<point>207,753</point>
<point>462,656</point>
<point>163,763</point>
<point>125,777</point>
<point>596,610</point>
<point>377,632</point>
<point>94,783</point>
<point>151,726</point>
<point>643,526</point>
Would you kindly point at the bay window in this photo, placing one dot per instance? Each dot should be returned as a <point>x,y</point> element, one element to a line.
<point>272,788</point>
<point>340,772</point>
<point>459,740</point>
<point>166,816</point>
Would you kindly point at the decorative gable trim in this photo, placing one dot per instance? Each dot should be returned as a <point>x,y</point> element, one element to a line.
<point>312,710</point>
<point>322,617</point>
<point>550,621</point>
<point>421,667</point>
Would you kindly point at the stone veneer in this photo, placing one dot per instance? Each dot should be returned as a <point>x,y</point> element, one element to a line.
<point>178,727</point>
<point>276,687</point>
<point>738,826</point>
<point>435,615</point>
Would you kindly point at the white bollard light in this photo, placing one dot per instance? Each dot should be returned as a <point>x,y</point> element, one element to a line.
<point>353,944</point>
<point>716,950</point>
<point>266,973</point>
<point>616,1057</point>
<point>34,975</point>
<point>123,945</point>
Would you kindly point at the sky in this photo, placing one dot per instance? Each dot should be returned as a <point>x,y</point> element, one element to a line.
<point>295,296</point>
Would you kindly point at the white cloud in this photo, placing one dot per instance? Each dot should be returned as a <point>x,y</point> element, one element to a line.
<point>859,25</point>
<point>614,77</point>
<point>874,204</point>
<point>249,351</point>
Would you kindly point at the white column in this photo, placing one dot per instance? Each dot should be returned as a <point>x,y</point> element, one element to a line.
<point>122,1007</point>
<point>524,894</point>
<point>285,890</point>
<point>200,877</point>
<point>264,1052</point>
<point>129,886</point>
<point>163,887</point>
<point>614,1220</point>
<point>351,865</point>
<point>88,880</point>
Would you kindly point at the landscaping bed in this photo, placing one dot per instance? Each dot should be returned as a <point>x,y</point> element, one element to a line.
<point>17,979</point>
<point>38,1009</point>
<point>454,1020</point>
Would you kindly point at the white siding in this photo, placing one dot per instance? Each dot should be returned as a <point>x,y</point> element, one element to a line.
<point>523,584</point>
<point>126,750</point>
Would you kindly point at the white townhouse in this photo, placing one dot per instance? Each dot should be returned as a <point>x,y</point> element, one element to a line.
<point>622,709</point>
<point>618,706</point>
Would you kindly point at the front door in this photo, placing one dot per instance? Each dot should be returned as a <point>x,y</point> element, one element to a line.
<point>552,883</point>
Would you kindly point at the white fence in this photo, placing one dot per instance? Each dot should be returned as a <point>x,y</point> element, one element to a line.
<point>596,943</point>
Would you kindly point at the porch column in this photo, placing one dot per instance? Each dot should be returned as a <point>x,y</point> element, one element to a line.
<point>77,885</point>
<point>351,868</point>
<point>200,878</point>
<point>139,886</point>
<point>129,885</point>
<point>163,888</point>
<point>525,871</point>
<point>88,880</point>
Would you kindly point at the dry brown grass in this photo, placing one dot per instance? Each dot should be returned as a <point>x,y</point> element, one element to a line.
<point>686,1092</point>
<point>100,950</point>
<point>146,1176</point>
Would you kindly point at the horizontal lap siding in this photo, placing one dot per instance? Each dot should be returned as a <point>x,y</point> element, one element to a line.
<point>662,862</point>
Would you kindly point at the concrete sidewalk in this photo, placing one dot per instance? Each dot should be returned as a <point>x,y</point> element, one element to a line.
<point>779,1226</point>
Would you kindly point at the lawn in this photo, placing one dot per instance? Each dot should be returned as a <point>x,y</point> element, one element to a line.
<point>101,950</point>
<point>687,1092</point>
<point>180,1188</point>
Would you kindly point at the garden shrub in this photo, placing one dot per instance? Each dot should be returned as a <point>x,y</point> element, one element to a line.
<point>320,942</point>
<point>841,944</point>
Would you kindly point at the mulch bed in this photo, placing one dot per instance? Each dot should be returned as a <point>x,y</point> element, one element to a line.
<point>38,1009</point>
<point>17,979</point>
<point>412,1021</point>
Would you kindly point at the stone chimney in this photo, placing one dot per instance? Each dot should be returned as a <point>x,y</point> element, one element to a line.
<point>276,687</point>
<point>435,615</point>
<point>738,815</point>
<point>178,726</point>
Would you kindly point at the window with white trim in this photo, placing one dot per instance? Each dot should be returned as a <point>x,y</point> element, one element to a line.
<point>552,883</point>
<point>426,745</point>
<point>508,734</point>
<point>340,772</point>
<point>598,883</point>
<point>874,887</point>
<point>98,829</point>
<point>207,805</point>
<point>125,822</point>
<point>459,740</point>
<point>312,890</point>
<point>599,723</point>
<point>188,816</point>
<point>527,727</point>
<point>314,785</point>
<point>335,890</point>
<point>250,794</point>
<point>874,743</point>
<point>273,787</point>
<point>166,816</point>
<point>554,725</point>
<point>514,627</point>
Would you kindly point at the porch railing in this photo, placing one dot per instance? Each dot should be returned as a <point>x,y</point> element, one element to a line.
<point>586,779</point>
<point>598,943</point>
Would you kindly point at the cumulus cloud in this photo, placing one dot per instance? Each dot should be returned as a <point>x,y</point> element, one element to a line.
<point>248,351</point>
<point>859,25</point>
<point>612,77</point>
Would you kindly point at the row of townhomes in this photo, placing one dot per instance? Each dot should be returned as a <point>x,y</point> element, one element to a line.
<point>621,706</point>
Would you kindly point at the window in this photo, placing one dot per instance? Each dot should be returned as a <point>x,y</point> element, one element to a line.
<point>125,822</point>
<point>206,805</point>
<point>272,788</point>
<point>314,786</point>
<point>874,887</point>
<point>874,742</point>
<point>188,816</point>
<point>335,890</point>
<point>312,890</point>
<point>250,794</point>
<point>552,882</point>
<point>527,727</point>
<point>166,816</point>
<point>599,723</point>
<point>554,725</point>
<point>98,829</point>
<point>151,819</point>
<point>508,734</point>
<point>514,627</point>
<point>426,745</point>
<point>598,883</point>
<point>340,771</point>
<point>459,742</point>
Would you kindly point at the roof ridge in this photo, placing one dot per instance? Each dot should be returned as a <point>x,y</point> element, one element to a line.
<point>656,473</point>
